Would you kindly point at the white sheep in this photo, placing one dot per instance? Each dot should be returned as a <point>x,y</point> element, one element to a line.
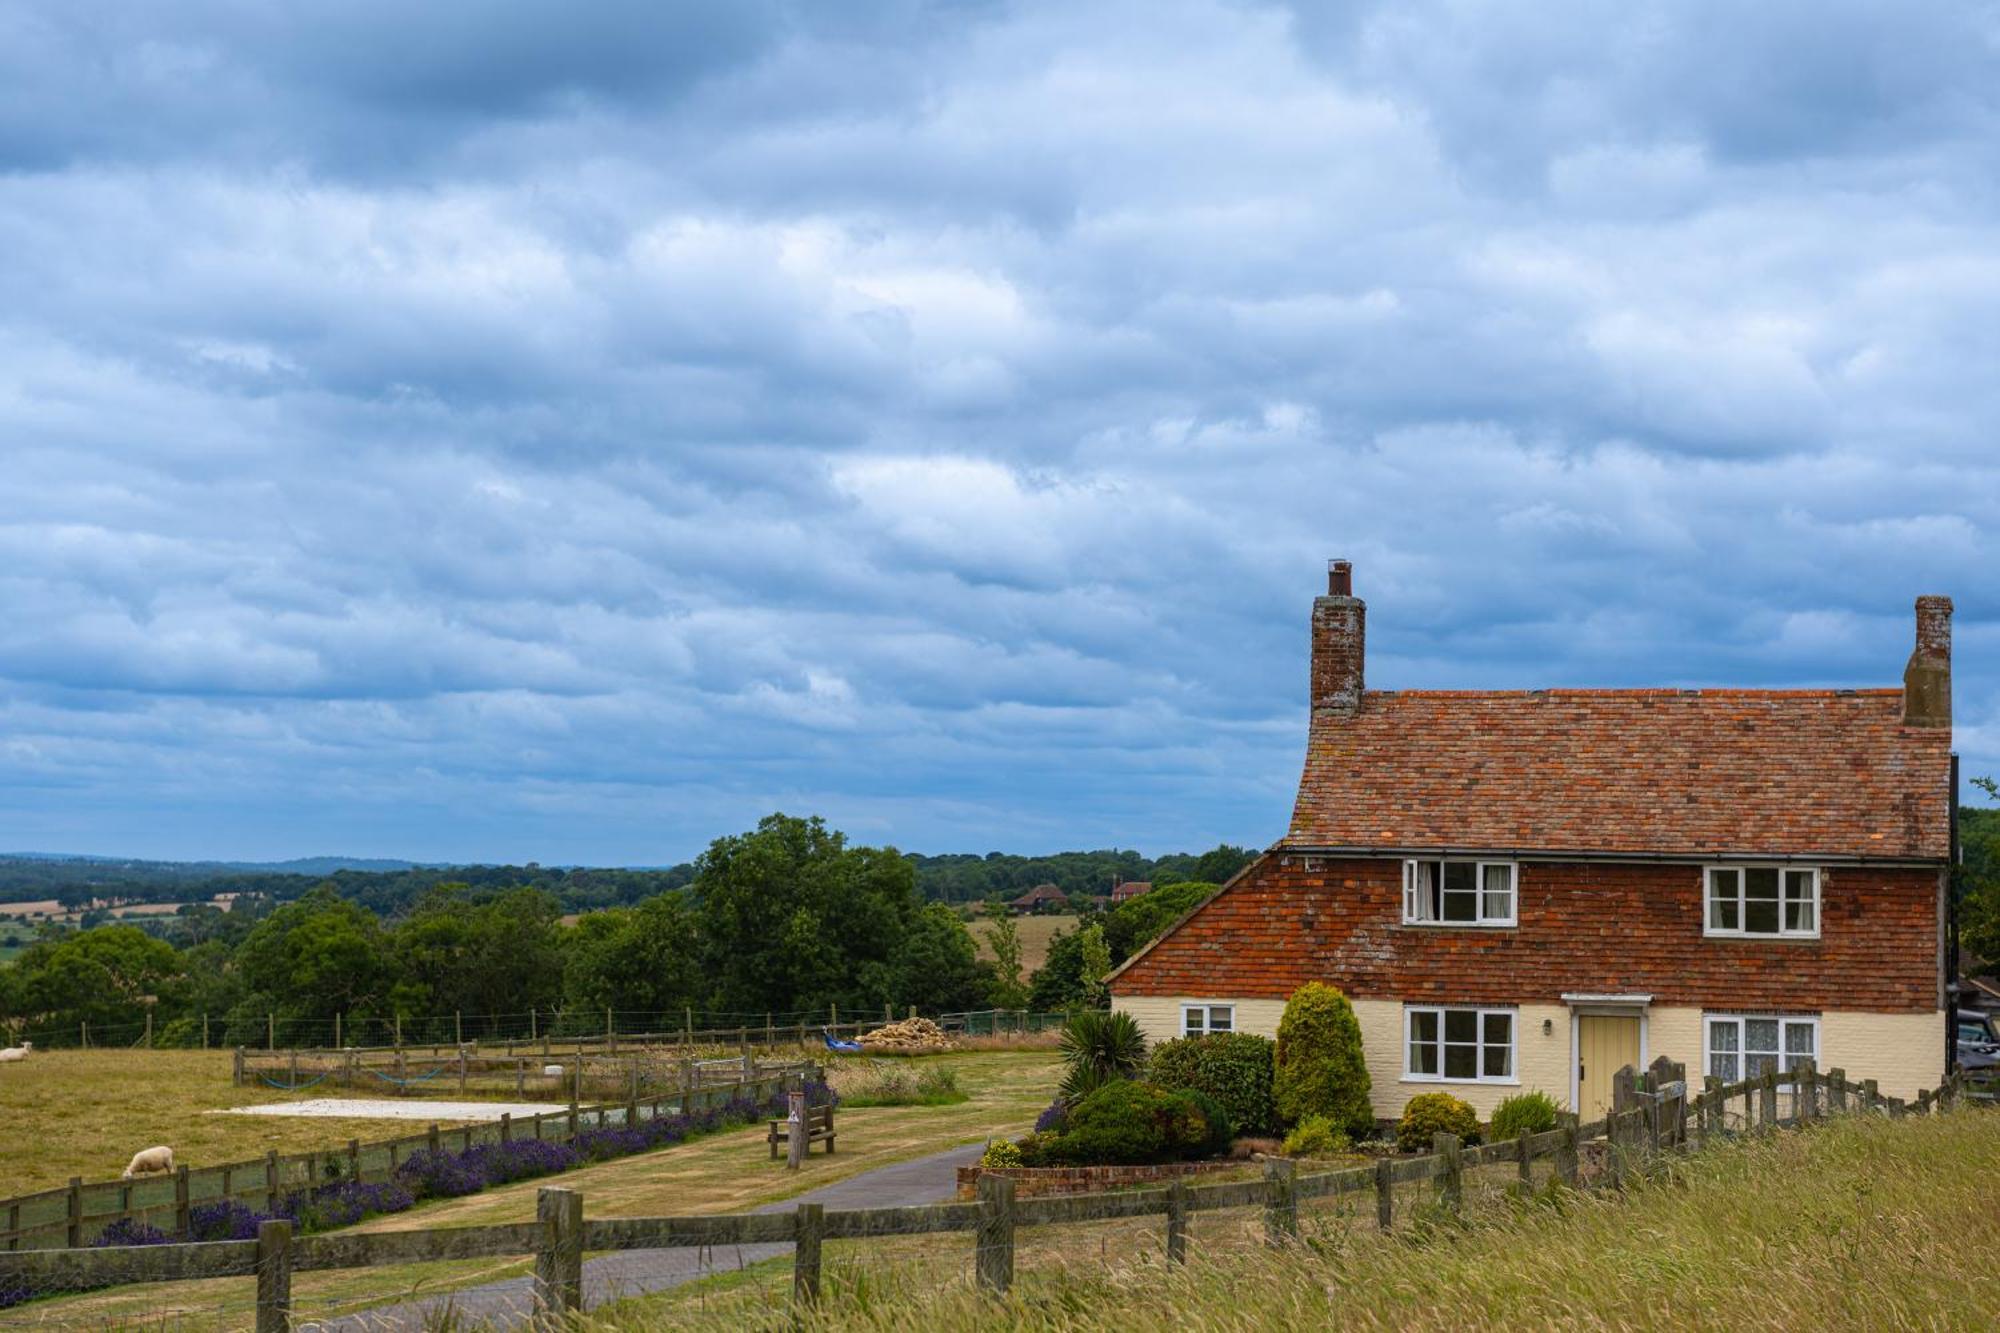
<point>150,1160</point>
<point>16,1052</point>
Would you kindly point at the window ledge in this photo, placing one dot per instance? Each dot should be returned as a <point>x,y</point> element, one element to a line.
<point>1463,925</point>
<point>1462,1082</point>
<point>1760,937</point>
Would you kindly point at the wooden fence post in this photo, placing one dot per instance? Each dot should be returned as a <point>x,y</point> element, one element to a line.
<point>1767,1099</point>
<point>806,1252</point>
<point>237,1076</point>
<point>274,1276</point>
<point>1870,1097</point>
<point>1177,1220</point>
<point>994,1238</point>
<point>75,1236</point>
<point>1385,1194</point>
<point>182,1223</point>
<point>559,1261</point>
<point>1451,1171</point>
<point>1525,1162</point>
<point>796,1133</point>
<point>1836,1091</point>
<point>1623,1084</point>
<point>1713,1116</point>
<point>1567,1153</point>
<point>1808,1085</point>
<point>270,1032</point>
<point>271,1181</point>
<point>1281,1200</point>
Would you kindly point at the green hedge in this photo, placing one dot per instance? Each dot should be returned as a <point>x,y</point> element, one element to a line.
<point>1234,1068</point>
<point>1319,1069</point>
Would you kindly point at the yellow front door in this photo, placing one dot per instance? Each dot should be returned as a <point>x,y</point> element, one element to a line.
<point>1604,1045</point>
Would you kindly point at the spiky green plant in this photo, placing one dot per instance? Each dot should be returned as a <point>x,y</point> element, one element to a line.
<point>1098,1047</point>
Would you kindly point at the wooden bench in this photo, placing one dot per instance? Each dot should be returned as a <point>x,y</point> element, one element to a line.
<point>819,1126</point>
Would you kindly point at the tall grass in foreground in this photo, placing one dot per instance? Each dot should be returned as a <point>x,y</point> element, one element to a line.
<point>1861,1223</point>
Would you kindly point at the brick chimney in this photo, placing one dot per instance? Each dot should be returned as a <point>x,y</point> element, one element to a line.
<point>1338,639</point>
<point>1927,679</point>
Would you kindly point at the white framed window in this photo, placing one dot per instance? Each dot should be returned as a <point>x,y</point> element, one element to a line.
<point>1198,1020</point>
<point>1778,901</point>
<point>1739,1046</point>
<point>1444,892</point>
<point>1458,1045</point>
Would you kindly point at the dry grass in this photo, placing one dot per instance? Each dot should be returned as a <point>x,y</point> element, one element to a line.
<point>730,1172</point>
<point>1035,932</point>
<point>1861,1223</point>
<point>84,1113</point>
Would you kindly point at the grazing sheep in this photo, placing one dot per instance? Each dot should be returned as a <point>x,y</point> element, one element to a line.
<point>150,1160</point>
<point>16,1052</point>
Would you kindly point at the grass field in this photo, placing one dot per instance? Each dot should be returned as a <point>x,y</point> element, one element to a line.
<point>84,1113</point>
<point>1862,1223</point>
<point>1036,932</point>
<point>724,1173</point>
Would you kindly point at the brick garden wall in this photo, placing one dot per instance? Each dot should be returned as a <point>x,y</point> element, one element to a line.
<point>1031,1181</point>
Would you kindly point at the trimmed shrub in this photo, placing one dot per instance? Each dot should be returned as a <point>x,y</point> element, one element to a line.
<point>1318,1067</point>
<point>1121,1122</point>
<point>1098,1048</point>
<point>1431,1113</point>
<point>1235,1068</point>
<point>1133,1123</point>
<point>1038,1149</point>
<point>1219,1128</point>
<point>1316,1136</point>
<point>1000,1154</point>
<point>1531,1112</point>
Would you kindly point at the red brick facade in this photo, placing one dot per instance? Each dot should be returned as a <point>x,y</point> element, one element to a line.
<point>1584,928</point>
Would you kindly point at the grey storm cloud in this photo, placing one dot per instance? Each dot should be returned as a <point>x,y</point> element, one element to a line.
<point>522,431</point>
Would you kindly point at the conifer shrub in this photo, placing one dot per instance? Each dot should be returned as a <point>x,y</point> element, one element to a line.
<point>1318,1064</point>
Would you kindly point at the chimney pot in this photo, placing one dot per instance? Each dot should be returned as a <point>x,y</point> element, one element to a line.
<point>1340,578</point>
<point>1927,678</point>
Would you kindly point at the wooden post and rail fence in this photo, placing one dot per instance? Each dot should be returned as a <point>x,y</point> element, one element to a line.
<point>76,1214</point>
<point>1657,1116</point>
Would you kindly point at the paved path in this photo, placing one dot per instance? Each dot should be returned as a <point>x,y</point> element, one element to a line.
<point>613,1277</point>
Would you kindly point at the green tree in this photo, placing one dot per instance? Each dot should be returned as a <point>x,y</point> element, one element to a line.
<point>1094,964</point>
<point>477,956</point>
<point>1136,922</point>
<point>106,977</point>
<point>646,958</point>
<point>794,918</point>
<point>1003,937</point>
<point>1319,1067</point>
<point>1979,901</point>
<point>937,963</point>
<point>308,961</point>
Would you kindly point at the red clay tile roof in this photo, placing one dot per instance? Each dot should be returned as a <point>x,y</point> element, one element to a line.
<point>1772,772</point>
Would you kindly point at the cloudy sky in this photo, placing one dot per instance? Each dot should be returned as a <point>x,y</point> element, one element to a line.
<point>540,431</point>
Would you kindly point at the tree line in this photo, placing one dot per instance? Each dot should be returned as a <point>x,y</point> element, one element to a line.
<point>786,919</point>
<point>950,878</point>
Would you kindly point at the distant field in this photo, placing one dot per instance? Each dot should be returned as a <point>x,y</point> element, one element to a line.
<point>1036,932</point>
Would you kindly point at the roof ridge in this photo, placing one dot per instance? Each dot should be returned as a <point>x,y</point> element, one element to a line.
<point>1652,691</point>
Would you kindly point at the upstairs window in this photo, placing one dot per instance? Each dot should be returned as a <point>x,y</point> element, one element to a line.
<point>1458,893</point>
<point>1198,1020</point>
<point>1763,900</point>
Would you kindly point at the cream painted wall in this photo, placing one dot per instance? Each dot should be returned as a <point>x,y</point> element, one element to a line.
<point>1902,1052</point>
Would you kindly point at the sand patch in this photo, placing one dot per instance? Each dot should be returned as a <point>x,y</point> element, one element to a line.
<point>398,1108</point>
